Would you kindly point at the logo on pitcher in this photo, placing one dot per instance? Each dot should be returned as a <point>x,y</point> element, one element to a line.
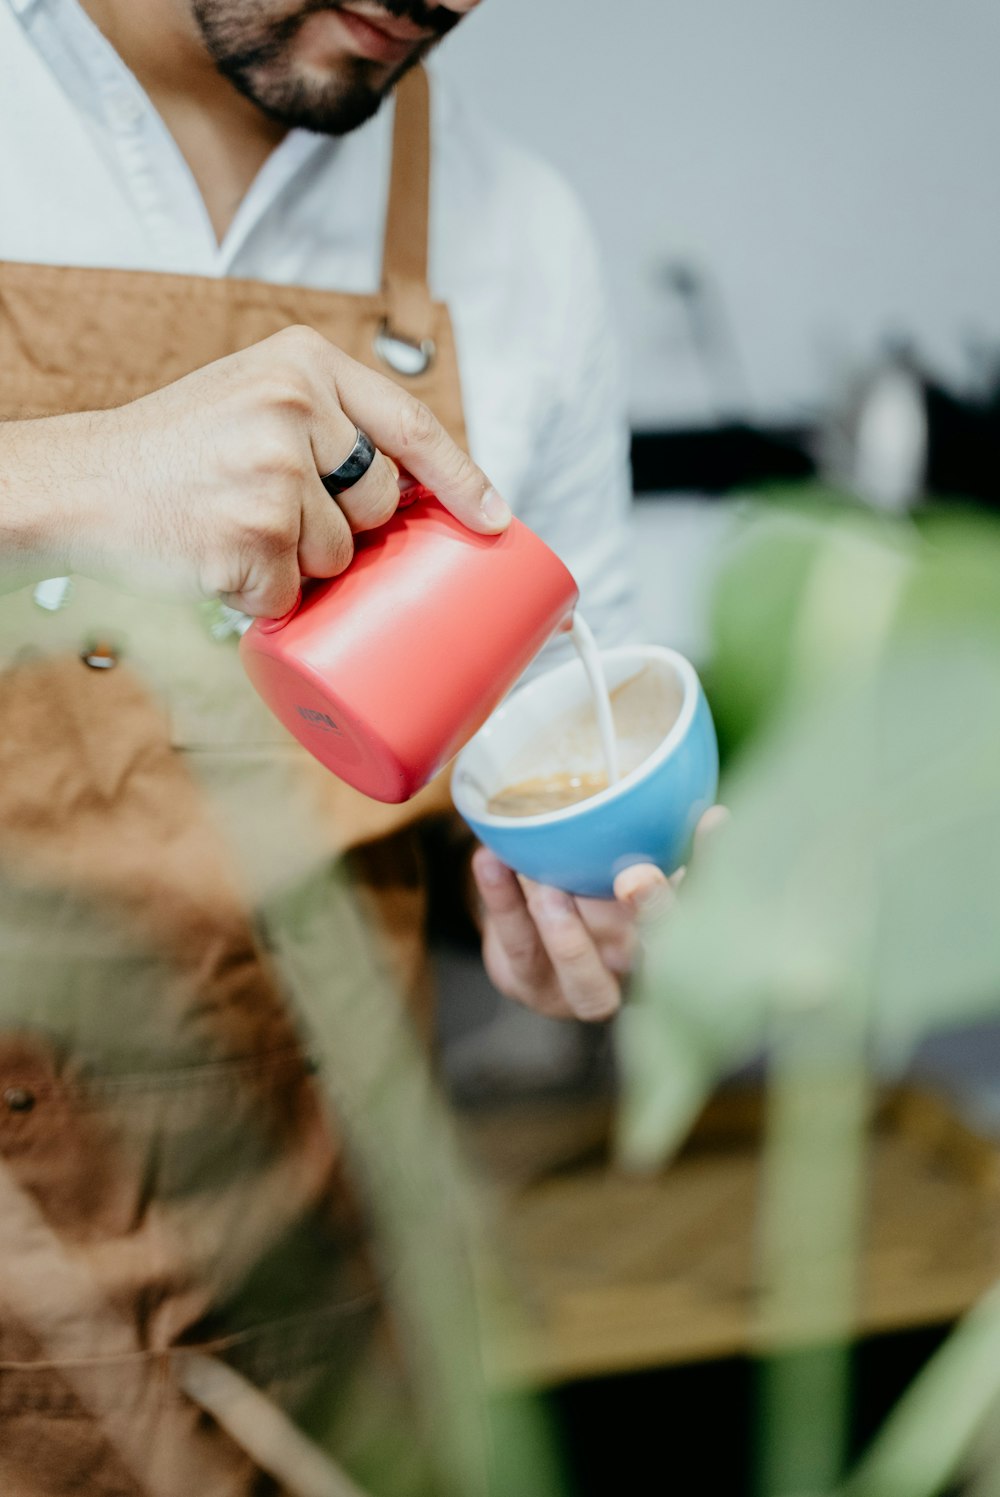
<point>321,720</point>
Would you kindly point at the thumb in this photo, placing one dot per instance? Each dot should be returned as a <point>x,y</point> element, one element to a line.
<point>643,889</point>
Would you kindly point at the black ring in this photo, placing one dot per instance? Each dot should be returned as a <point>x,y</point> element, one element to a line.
<point>355,466</point>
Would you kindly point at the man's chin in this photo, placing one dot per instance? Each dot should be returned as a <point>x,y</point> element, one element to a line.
<point>300,67</point>
<point>313,100</point>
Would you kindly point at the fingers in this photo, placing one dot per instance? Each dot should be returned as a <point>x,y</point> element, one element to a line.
<point>544,954</point>
<point>552,950</point>
<point>505,908</point>
<point>643,888</point>
<point>270,589</point>
<point>323,398</point>
<point>375,497</point>
<point>612,926</point>
<point>713,821</point>
<point>592,992</point>
<point>326,544</point>
<point>404,428</point>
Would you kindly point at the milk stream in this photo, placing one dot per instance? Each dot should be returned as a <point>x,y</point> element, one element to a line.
<point>590,656</point>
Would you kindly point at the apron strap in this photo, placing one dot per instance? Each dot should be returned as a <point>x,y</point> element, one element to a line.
<point>257,1425</point>
<point>407,226</point>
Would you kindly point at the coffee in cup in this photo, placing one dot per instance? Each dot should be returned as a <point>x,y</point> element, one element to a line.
<point>643,710</point>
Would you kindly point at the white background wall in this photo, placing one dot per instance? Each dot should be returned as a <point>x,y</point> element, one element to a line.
<point>832,165</point>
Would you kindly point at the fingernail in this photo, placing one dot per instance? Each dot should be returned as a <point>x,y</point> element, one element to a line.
<point>647,894</point>
<point>556,905</point>
<point>494,510</point>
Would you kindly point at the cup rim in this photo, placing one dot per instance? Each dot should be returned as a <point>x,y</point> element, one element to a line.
<point>689,681</point>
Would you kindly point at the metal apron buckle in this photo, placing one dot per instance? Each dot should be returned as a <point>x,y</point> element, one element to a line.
<point>402,355</point>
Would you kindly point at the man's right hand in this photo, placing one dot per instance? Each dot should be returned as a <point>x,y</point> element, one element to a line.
<point>211,486</point>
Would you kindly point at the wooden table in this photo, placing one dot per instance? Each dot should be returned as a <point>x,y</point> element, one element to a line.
<point>619,1273</point>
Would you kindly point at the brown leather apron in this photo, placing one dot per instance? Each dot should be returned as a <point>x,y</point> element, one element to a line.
<point>186,1293</point>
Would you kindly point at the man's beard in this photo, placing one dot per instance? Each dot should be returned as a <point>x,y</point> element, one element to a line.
<point>256,55</point>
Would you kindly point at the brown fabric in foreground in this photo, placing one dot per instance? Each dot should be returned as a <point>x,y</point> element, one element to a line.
<point>169,1175</point>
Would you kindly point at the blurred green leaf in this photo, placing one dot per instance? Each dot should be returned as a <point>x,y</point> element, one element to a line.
<point>870,822</point>
<point>851,904</point>
<point>926,1438</point>
<point>866,813</point>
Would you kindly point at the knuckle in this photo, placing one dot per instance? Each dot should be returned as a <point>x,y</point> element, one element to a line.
<point>468,474</point>
<point>276,456</point>
<point>341,552</point>
<point>567,940</point>
<point>265,590</point>
<point>218,577</point>
<point>329,548</point>
<point>276,599</point>
<point>284,386</point>
<point>290,386</point>
<point>291,393</point>
<point>272,531</point>
<point>523,953</point>
<point>517,936</point>
<point>300,340</point>
<point>418,426</point>
<point>569,947</point>
<point>378,503</point>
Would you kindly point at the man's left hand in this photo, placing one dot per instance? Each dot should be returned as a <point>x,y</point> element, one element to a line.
<point>562,956</point>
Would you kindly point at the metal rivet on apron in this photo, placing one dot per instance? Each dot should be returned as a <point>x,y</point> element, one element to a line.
<point>100,656</point>
<point>19,1099</point>
<point>402,355</point>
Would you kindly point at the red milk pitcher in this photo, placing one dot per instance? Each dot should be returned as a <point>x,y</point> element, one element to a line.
<point>384,672</point>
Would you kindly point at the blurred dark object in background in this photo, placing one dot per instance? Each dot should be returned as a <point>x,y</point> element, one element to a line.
<point>715,460</point>
<point>899,436</point>
<point>735,448</point>
<point>963,450</point>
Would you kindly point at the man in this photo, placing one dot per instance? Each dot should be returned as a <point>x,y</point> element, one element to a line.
<point>192,213</point>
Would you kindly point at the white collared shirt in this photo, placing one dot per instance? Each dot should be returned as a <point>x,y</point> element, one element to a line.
<point>90,175</point>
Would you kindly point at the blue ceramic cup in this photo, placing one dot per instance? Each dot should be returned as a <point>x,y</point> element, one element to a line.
<point>547,730</point>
